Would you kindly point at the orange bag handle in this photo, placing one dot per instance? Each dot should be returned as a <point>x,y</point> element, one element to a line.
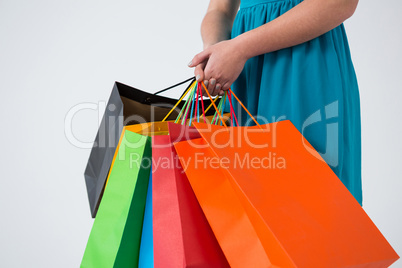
<point>213,103</point>
<point>234,95</point>
<point>244,107</point>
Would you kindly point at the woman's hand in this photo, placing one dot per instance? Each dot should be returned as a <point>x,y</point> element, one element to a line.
<point>219,65</point>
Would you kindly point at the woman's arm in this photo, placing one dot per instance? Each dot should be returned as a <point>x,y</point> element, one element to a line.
<point>311,18</point>
<point>216,27</point>
<point>217,23</point>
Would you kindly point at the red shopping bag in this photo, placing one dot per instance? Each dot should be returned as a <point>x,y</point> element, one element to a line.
<point>182,235</point>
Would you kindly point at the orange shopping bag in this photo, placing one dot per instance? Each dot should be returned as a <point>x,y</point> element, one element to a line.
<point>302,214</point>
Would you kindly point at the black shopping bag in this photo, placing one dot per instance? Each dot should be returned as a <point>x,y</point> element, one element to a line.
<point>126,106</point>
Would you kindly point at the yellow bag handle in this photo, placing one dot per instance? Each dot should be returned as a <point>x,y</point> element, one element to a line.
<point>182,97</point>
<point>213,103</point>
<point>191,87</point>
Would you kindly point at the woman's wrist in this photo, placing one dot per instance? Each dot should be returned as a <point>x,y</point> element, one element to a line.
<point>242,47</point>
<point>213,41</point>
<point>207,45</point>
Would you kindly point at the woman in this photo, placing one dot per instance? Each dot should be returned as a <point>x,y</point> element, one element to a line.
<point>289,59</point>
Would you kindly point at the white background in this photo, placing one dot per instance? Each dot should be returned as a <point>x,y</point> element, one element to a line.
<point>55,55</point>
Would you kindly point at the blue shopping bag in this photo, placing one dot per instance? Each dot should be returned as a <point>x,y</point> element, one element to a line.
<point>147,246</point>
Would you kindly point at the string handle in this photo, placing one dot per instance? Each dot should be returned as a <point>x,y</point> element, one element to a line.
<point>234,95</point>
<point>193,90</point>
<point>176,85</point>
<point>213,103</point>
<point>181,98</point>
<point>244,107</point>
<point>193,99</point>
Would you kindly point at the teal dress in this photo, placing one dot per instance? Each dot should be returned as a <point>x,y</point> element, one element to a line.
<point>312,84</point>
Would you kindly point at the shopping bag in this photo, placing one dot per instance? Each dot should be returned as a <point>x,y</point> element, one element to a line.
<point>126,106</point>
<point>186,115</point>
<point>115,236</point>
<point>155,129</point>
<point>182,235</point>
<point>114,240</point>
<point>222,208</point>
<point>302,213</point>
<point>230,224</point>
<point>147,247</point>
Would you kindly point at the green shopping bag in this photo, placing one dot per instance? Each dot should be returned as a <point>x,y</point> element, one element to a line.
<point>116,233</point>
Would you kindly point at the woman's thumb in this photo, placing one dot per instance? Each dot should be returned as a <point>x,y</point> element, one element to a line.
<point>200,57</point>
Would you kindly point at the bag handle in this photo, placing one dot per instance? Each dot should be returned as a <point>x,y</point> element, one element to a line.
<point>244,107</point>
<point>213,103</point>
<point>176,85</point>
<point>192,101</point>
<point>180,99</point>
<point>197,99</point>
<point>232,112</point>
<point>195,92</point>
<point>234,95</point>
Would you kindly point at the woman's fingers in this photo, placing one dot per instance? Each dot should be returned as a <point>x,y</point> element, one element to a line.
<point>219,89</point>
<point>226,86</point>
<point>199,58</point>
<point>216,89</point>
<point>204,72</point>
<point>204,93</point>
<point>211,86</point>
<point>199,72</point>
